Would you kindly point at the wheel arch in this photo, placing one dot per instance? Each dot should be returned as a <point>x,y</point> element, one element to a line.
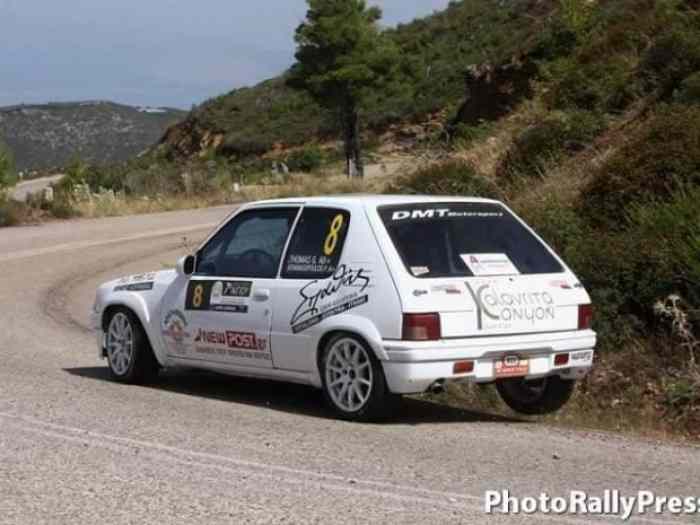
<point>136,306</point>
<point>355,326</point>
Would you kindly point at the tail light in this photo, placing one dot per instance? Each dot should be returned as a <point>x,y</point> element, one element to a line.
<point>421,327</point>
<point>585,316</point>
<point>561,359</point>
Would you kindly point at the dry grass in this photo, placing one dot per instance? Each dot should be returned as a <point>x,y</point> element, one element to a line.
<point>486,154</point>
<point>567,179</point>
<point>138,206</point>
<point>296,186</point>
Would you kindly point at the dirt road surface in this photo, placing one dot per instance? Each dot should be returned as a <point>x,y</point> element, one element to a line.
<point>201,448</point>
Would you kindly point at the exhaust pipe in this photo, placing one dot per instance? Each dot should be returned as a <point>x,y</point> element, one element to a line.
<point>438,387</point>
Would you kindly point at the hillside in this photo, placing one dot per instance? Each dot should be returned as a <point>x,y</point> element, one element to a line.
<point>436,53</point>
<point>51,135</point>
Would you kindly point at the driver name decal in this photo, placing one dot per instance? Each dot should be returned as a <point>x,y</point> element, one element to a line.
<point>218,296</point>
<point>324,298</point>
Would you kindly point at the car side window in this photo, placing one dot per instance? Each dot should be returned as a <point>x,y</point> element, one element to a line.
<point>316,246</point>
<point>250,245</point>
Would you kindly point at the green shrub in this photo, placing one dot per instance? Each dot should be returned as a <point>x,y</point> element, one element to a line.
<point>627,272</point>
<point>11,212</point>
<point>601,85</point>
<point>672,231</point>
<point>689,91</point>
<point>672,58</point>
<point>75,174</point>
<point>451,178</point>
<point>463,134</point>
<point>662,158</point>
<point>63,208</point>
<point>594,257</point>
<point>548,140</point>
<point>577,15</point>
<point>7,171</point>
<point>307,159</point>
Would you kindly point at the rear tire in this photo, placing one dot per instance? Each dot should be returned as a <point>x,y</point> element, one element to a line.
<point>353,380</point>
<point>536,397</point>
<point>129,354</point>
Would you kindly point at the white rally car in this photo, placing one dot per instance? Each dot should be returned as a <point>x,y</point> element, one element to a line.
<point>365,297</point>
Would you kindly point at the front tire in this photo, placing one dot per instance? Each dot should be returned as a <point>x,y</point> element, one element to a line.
<point>537,396</point>
<point>353,380</point>
<point>129,352</point>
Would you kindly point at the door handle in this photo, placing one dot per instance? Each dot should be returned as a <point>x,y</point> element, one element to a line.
<point>261,295</point>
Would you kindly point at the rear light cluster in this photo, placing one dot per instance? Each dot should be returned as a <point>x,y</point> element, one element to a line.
<point>421,327</point>
<point>585,316</point>
<point>561,359</point>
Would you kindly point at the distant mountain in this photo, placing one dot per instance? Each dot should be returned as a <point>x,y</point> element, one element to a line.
<point>50,135</point>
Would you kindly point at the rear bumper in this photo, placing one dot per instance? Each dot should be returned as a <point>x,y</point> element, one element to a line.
<point>412,367</point>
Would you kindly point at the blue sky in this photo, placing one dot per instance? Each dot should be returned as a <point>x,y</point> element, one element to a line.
<point>151,52</point>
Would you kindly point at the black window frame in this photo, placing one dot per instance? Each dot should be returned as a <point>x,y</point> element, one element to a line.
<point>300,276</point>
<point>237,218</point>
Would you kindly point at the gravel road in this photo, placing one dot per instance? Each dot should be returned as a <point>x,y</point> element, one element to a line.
<point>200,448</point>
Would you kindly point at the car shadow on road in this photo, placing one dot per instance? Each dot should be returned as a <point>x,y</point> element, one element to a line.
<point>292,398</point>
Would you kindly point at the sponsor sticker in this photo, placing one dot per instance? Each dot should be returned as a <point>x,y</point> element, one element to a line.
<point>218,296</point>
<point>175,332</point>
<point>231,344</point>
<point>506,307</point>
<point>449,289</point>
<point>582,358</point>
<point>511,366</point>
<point>136,287</point>
<point>231,339</point>
<point>420,214</point>
<point>419,270</point>
<point>564,285</point>
<point>489,264</point>
<point>136,283</point>
<point>324,298</point>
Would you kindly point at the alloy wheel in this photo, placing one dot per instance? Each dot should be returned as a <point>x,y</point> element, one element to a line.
<point>348,373</point>
<point>120,344</point>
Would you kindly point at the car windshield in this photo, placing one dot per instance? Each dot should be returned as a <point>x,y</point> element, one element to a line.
<point>465,240</point>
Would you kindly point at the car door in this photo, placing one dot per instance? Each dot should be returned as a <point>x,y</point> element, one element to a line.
<point>223,312</point>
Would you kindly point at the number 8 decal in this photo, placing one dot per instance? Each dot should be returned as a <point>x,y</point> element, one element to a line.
<point>333,235</point>
<point>198,296</point>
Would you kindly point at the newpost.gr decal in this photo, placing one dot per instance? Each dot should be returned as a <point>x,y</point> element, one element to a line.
<point>218,296</point>
<point>324,298</point>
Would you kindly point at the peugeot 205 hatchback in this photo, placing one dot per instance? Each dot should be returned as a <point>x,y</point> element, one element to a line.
<point>364,297</point>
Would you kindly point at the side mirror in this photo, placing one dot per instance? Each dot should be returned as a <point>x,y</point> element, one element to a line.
<point>185,266</point>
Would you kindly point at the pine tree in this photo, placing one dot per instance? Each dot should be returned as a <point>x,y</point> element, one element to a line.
<point>342,56</point>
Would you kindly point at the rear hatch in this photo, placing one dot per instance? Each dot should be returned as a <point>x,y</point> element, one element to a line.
<point>481,269</point>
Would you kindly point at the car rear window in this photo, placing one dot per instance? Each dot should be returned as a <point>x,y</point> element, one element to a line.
<point>465,240</point>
